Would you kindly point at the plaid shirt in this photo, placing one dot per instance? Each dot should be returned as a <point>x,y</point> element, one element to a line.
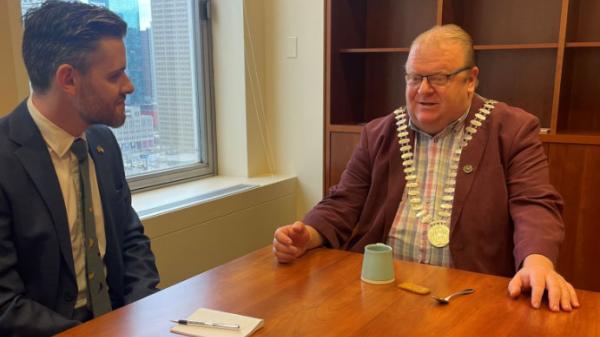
<point>408,235</point>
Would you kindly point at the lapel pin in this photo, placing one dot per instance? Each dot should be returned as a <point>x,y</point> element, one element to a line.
<point>99,149</point>
<point>468,168</point>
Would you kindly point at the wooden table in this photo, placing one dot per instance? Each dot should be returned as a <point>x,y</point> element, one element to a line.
<point>322,295</point>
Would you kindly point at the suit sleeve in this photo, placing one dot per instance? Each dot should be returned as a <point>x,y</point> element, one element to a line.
<point>535,206</point>
<point>141,276</point>
<point>336,216</point>
<point>140,273</point>
<point>19,315</point>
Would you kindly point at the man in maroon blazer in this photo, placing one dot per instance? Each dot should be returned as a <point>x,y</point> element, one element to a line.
<point>452,179</point>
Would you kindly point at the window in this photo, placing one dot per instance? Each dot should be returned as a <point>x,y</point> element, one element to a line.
<point>168,134</point>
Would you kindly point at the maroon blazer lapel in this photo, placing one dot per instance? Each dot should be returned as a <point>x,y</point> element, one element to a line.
<point>470,160</point>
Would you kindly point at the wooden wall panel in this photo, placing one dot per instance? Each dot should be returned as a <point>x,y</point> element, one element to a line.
<point>575,172</point>
<point>342,146</point>
<point>583,21</point>
<point>514,86</point>
<point>393,23</point>
<point>385,86</point>
<point>504,22</point>
<point>579,111</point>
<point>347,97</point>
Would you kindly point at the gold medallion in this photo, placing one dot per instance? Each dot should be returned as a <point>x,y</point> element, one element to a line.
<point>438,234</point>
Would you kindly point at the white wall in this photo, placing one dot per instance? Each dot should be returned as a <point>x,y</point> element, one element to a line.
<point>292,88</point>
<point>230,87</point>
<point>269,106</point>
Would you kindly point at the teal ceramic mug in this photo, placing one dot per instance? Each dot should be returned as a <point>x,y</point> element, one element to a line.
<point>378,264</point>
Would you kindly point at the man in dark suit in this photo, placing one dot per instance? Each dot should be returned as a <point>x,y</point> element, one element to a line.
<point>71,245</point>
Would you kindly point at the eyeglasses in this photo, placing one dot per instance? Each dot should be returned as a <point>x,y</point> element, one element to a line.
<point>438,80</point>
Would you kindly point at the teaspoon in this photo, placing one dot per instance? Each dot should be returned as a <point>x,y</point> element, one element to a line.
<point>446,300</point>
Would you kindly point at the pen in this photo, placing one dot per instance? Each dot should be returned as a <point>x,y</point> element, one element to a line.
<point>217,325</point>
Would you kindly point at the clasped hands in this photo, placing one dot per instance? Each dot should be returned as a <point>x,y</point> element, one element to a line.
<point>537,274</point>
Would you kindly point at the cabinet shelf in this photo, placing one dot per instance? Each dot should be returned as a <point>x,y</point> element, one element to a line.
<point>476,47</point>
<point>572,138</point>
<point>347,128</point>
<point>582,44</point>
<point>515,46</point>
<point>372,50</point>
<point>560,138</point>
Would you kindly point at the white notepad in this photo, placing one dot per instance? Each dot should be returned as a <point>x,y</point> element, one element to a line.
<point>247,324</point>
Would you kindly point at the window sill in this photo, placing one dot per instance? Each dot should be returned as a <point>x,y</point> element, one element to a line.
<point>171,198</point>
<point>196,201</point>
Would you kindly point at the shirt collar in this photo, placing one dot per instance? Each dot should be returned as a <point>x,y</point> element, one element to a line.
<point>452,127</point>
<point>58,140</point>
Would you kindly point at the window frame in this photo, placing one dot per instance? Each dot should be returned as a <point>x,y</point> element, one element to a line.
<point>202,40</point>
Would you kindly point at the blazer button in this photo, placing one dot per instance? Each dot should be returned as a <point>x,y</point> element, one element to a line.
<point>468,168</point>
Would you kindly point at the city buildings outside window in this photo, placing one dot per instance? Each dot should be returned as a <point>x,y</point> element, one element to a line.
<point>168,134</point>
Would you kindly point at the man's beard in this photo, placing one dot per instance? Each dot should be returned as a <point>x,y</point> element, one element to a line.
<point>93,113</point>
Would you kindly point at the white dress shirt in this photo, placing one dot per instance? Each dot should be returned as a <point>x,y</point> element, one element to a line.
<point>67,171</point>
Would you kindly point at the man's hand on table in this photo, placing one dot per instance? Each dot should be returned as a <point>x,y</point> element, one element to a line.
<point>292,241</point>
<point>537,275</point>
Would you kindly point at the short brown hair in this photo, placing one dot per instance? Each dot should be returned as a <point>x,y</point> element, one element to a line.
<point>61,32</point>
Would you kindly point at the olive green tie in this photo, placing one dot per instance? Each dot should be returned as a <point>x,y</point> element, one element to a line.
<point>98,299</point>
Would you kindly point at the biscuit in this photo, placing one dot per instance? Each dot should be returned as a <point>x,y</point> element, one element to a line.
<point>414,288</point>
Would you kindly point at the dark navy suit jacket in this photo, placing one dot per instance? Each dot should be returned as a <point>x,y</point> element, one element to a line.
<point>37,280</point>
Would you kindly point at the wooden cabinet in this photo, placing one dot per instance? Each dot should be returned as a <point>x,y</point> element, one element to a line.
<point>540,55</point>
